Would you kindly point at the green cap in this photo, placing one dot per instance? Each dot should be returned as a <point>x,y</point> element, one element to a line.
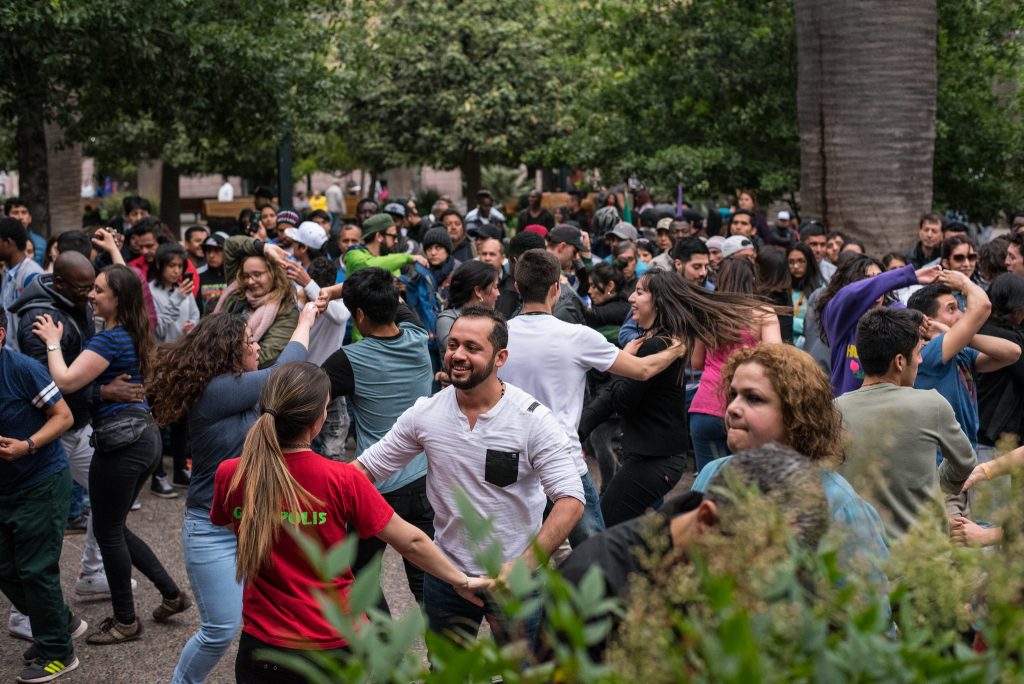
<point>376,224</point>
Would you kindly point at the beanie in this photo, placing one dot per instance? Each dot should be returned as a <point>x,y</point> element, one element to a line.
<point>437,236</point>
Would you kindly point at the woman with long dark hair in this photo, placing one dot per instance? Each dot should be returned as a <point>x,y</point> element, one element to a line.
<point>127,443</point>
<point>210,379</point>
<point>806,278</point>
<point>775,284</point>
<point>654,432</point>
<point>473,283</point>
<point>736,276</point>
<point>278,482</point>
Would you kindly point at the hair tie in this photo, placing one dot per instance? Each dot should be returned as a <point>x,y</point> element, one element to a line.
<point>271,412</point>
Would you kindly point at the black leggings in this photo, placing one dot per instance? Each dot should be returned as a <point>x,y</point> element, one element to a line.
<point>115,479</point>
<point>251,670</point>
<point>639,483</point>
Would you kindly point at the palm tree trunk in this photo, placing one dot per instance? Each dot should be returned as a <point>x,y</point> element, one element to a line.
<point>866,95</point>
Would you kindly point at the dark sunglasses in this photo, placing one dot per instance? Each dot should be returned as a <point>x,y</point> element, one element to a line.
<point>961,258</point>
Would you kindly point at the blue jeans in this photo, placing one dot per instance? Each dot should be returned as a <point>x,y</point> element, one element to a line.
<point>210,563</point>
<point>451,615</point>
<point>592,521</point>
<point>709,438</point>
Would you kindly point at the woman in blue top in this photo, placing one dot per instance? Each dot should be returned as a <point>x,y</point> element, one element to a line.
<point>210,378</point>
<point>127,444</point>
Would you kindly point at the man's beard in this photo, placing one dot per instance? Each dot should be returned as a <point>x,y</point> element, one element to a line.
<point>384,249</point>
<point>475,378</point>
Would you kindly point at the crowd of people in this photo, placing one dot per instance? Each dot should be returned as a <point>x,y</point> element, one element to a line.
<point>479,363</point>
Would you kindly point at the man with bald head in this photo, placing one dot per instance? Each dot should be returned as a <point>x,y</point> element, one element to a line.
<point>64,296</point>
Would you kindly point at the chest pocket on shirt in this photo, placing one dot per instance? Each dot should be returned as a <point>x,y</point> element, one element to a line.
<point>501,468</point>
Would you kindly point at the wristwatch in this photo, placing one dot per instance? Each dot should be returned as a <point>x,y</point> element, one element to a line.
<point>52,347</point>
<point>31,445</point>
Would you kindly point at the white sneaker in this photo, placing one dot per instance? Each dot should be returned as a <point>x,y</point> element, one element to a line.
<point>95,585</point>
<point>18,625</point>
<point>136,505</point>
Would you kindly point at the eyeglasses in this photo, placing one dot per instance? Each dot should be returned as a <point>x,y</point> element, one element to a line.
<point>393,236</point>
<point>253,276</point>
<point>77,289</point>
<point>961,258</point>
<point>798,262</point>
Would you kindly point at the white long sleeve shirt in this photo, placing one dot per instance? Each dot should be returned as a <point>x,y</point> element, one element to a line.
<point>515,457</point>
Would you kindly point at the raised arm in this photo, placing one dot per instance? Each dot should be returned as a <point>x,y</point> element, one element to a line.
<point>978,309</point>
<point>87,366</point>
<point>646,367</point>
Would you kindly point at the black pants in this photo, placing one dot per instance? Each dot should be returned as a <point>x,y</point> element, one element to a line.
<point>638,484</point>
<point>177,447</point>
<point>115,479</point>
<point>410,502</point>
<point>251,670</point>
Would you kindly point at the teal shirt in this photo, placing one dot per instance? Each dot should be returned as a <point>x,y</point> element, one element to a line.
<point>389,375</point>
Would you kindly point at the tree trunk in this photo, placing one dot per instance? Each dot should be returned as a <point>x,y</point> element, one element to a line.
<point>170,197</point>
<point>866,95</point>
<point>64,170</point>
<point>471,176</point>
<point>33,174</point>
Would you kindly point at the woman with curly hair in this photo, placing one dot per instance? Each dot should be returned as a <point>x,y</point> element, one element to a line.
<point>777,393</point>
<point>260,290</point>
<point>210,378</point>
<point>127,444</point>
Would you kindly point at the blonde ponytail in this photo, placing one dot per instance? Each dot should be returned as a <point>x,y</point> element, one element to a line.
<point>292,401</point>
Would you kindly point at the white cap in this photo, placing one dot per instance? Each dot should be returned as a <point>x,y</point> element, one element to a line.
<point>308,233</point>
<point>783,215</point>
<point>736,243</point>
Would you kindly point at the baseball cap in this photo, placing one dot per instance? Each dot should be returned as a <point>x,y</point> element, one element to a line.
<point>664,224</point>
<point>288,216</point>
<point>783,215</point>
<point>376,224</point>
<point>394,208</point>
<point>483,230</point>
<point>308,233</point>
<point>736,243</point>
<point>536,229</point>
<point>716,242</point>
<point>624,231</point>
<point>215,241</point>
<point>567,234</point>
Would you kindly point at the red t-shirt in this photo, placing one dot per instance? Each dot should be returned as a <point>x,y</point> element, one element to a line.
<point>278,607</point>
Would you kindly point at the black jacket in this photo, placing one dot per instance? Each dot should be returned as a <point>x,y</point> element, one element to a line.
<point>40,298</point>
<point>653,411</point>
<point>1001,393</point>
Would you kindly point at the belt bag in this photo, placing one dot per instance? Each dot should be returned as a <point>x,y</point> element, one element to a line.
<point>120,430</point>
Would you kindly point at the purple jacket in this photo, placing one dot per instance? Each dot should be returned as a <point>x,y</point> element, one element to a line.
<point>840,320</point>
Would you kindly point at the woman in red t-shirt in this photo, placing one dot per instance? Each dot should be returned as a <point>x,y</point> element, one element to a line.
<point>279,480</point>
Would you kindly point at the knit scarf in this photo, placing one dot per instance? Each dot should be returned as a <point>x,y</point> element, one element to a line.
<point>262,314</point>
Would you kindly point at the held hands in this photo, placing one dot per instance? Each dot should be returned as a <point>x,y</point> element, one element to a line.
<point>275,254</point>
<point>107,240</point>
<point>471,586</point>
<point>327,294</point>
<point>44,329</point>
<point>928,274</point>
<point>308,314</point>
<point>12,449</point>
<point>964,532</point>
